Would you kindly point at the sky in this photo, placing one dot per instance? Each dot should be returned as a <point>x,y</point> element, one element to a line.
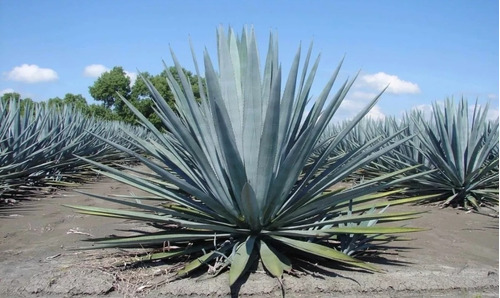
<point>426,50</point>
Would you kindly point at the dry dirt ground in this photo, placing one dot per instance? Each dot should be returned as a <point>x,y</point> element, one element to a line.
<point>456,257</point>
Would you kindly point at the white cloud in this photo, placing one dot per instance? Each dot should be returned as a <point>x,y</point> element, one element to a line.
<point>31,73</point>
<point>375,113</point>
<point>22,93</point>
<point>361,95</point>
<point>357,101</point>
<point>425,108</point>
<point>94,70</point>
<point>492,96</point>
<point>350,106</point>
<point>428,109</point>
<point>492,114</point>
<point>132,76</point>
<point>8,90</point>
<point>396,86</point>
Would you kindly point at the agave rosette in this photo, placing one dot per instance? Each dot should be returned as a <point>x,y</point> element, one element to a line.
<point>464,152</point>
<point>237,173</point>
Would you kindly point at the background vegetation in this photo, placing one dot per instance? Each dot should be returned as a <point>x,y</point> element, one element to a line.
<point>104,92</point>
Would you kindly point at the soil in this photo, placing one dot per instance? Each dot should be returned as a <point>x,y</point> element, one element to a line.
<point>456,257</point>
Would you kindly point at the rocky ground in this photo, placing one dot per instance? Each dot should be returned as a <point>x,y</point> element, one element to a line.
<point>456,257</point>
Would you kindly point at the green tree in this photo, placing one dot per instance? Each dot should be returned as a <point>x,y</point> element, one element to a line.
<point>141,92</point>
<point>105,89</point>
<point>27,102</point>
<point>141,97</point>
<point>23,102</point>
<point>77,101</point>
<point>11,95</point>
<point>106,86</point>
<point>100,112</point>
<point>55,103</point>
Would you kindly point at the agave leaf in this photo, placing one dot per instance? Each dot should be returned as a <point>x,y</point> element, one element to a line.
<point>288,96</point>
<point>252,109</point>
<point>169,254</point>
<point>327,233</point>
<point>195,264</point>
<point>391,202</point>
<point>473,201</point>
<point>450,198</point>
<point>155,189</point>
<point>325,252</point>
<point>474,176</point>
<point>160,255</point>
<point>355,219</point>
<point>368,206</point>
<point>275,262</point>
<point>229,76</point>
<point>187,213</point>
<point>215,205</point>
<point>226,137</point>
<point>373,230</point>
<point>326,178</point>
<point>250,207</point>
<point>240,259</point>
<point>149,217</point>
<point>486,191</point>
<point>160,238</point>
<point>487,180</point>
<point>189,143</point>
<point>308,210</point>
<point>300,101</point>
<point>268,150</point>
<point>303,194</point>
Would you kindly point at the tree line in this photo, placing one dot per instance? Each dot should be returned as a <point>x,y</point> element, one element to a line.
<point>108,106</point>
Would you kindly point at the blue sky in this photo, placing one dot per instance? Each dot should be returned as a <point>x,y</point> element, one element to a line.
<point>427,50</point>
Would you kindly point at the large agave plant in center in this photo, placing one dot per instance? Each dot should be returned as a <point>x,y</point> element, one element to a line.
<point>241,174</point>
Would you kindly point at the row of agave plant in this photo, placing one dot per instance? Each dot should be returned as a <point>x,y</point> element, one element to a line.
<point>38,146</point>
<point>246,173</point>
<point>459,150</point>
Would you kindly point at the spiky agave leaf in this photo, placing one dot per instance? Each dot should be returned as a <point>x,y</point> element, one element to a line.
<point>246,181</point>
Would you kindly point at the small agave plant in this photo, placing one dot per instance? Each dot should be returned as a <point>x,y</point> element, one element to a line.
<point>240,175</point>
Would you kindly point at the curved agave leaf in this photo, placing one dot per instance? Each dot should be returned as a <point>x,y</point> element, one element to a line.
<point>207,257</point>
<point>240,257</point>
<point>325,252</point>
<point>274,261</point>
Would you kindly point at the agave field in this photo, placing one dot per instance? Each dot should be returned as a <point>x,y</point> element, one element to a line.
<point>39,148</point>
<point>251,172</point>
<point>460,149</point>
